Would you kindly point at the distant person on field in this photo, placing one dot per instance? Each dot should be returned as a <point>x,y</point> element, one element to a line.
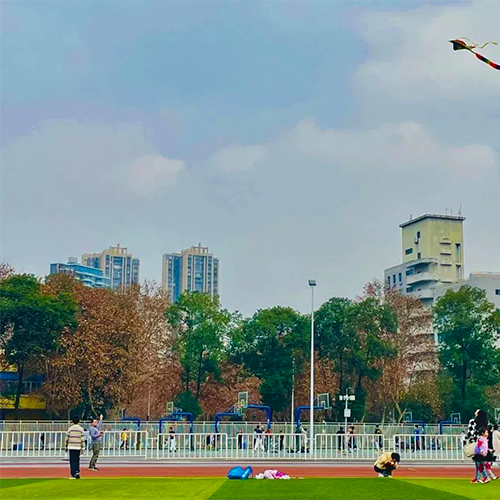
<point>267,440</point>
<point>258,441</point>
<point>282,439</point>
<point>86,439</point>
<point>305,438</point>
<point>352,445</point>
<point>378,439</point>
<point>173,442</point>
<point>340,439</point>
<point>386,463</point>
<point>124,439</point>
<point>96,442</point>
<point>74,444</point>
<point>416,439</point>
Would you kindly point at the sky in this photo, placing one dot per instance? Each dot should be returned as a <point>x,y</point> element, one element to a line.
<point>291,138</point>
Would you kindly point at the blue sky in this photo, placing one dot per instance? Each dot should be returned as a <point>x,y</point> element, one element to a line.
<point>290,137</point>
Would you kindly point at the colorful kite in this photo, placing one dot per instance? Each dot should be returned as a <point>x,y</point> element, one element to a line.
<point>459,44</point>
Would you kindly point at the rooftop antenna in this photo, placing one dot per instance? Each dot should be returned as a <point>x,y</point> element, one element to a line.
<point>460,210</point>
<point>446,211</point>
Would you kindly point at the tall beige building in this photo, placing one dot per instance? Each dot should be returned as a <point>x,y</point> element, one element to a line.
<point>194,269</point>
<point>117,264</point>
<point>432,254</point>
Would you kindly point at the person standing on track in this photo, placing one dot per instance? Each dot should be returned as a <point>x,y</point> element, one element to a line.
<point>96,442</point>
<point>74,444</point>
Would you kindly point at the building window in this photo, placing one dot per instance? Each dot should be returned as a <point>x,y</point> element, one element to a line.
<point>419,255</point>
<point>497,291</point>
<point>418,234</point>
<point>409,289</point>
<point>409,251</point>
<point>388,281</point>
<point>393,279</point>
<point>400,276</point>
<point>458,249</point>
<point>409,272</point>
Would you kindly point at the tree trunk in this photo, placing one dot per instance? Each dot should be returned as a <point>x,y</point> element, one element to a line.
<point>20,377</point>
<point>200,371</point>
<point>399,410</point>
<point>187,379</point>
<point>91,402</point>
<point>341,373</point>
<point>463,388</point>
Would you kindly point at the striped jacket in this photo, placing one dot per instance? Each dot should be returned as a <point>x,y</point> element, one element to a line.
<point>74,437</point>
<point>472,432</point>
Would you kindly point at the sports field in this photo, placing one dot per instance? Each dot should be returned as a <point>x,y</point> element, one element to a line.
<point>223,489</point>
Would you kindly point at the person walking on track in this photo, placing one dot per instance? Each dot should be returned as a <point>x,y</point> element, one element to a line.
<point>74,444</point>
<point>96,441</point>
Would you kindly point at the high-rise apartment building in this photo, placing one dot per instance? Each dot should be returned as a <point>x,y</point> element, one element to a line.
<point>432,254</point>
<point>192,270</point>
<point>89,276</point>
<point>119,266</point>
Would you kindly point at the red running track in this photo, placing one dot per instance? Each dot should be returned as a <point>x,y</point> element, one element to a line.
<point>221,471</point>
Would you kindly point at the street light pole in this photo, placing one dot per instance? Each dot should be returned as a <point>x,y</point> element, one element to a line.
<point>312,284</point>
<point>293,400</point>
<point>347,411</point>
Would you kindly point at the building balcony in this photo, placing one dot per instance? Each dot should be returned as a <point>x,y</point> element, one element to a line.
<point>420,277</point>
<point>423,294</point>
<point>419,262</point>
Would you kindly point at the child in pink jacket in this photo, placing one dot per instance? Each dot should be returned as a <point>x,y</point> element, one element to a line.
<point>482,459</point>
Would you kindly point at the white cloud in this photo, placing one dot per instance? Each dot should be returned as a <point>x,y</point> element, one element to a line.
<point>388,149</point>
<point>237,158</point>
<point>149,174</point>
<point>93,157</point>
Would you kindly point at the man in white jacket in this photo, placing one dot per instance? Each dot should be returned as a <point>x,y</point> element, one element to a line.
<point>496,442</point>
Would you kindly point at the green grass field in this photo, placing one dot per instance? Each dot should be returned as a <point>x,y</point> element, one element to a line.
<point>222,489</point>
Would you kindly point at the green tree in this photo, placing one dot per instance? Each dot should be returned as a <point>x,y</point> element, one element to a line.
<point>334,337</point>
<point>356,336</point>
<point>30,323</point>
<point>188,403</point>
<point>267,344</point>
<point>468,325</point>
<point>371,322</point>
<point>201,330</point>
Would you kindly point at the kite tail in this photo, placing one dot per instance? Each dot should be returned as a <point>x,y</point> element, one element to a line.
<point>475,45</point>
<point>487,61</point>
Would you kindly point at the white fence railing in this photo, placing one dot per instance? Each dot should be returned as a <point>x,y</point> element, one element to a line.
<point>226,427</point>
<point>192,446</point>
<point>350,447</point>
<point>428,447</point>
<point>53,444</point>
<point>243,446</point>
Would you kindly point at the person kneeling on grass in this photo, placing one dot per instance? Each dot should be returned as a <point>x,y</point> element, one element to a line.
<point>386,463</point>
